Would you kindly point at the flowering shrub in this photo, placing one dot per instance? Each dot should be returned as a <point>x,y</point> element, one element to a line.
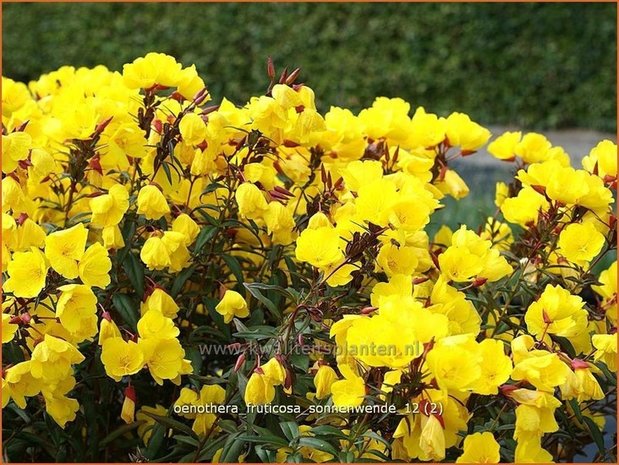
<point>185,282</point>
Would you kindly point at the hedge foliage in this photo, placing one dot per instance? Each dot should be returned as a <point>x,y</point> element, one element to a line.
<point>533,65</point>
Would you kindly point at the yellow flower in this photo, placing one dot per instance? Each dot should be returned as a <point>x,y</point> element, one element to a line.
<point>580,243</point>
<point>459,264</point>
<point>155,254</point>
<point>152,203</point>
<point>154,68</point>
<point>350,391</point>
<point>76,309</point>
<point>397,260</point>
<point>20,383</point>
<point>160,302</point>
<point>8,329</point>
<point>542,369</point>
<point>61,409</point>
<point>30,234</point>
<point>164,357</point>
<point>606,349</point>
<point>107,329</point>
<point>52,359</point>
<point>452,184</point>
<point>27,273</point>
<point>192,128</point>
<point>504,146</point>
<point>427,130</point>
<point>127,412</point>
<point>495,367</point>
<point>602,157</point>
<point>15,147</point>
<point>145,430</point>
<point>121,358</point>
<point>112,238</point>
<point>274,372</point>
<point>502,193</point>
<point>154,325</point>
<point>480,448</point>
<point>185,225</point>
<point>432,440</point>
<point>533,148</point>
<point>556,312</point>
<point>259,390</point>
<point>465,133</point>
<point>94,266</point>
<point>455,362</point>
<point>525,207</point>
<point>232,305</point>
<point>319,247</point>
<point>324,379</point>
<point>65,248</point>
<point>280,223</point>
<point>209,394</point>
<point>190,83</point>
<point>251,202</point>
<point>108,209</point>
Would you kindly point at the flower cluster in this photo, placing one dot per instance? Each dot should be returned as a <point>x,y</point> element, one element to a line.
<point>142,227</point>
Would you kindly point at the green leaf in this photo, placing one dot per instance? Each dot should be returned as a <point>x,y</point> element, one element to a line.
<point>172,424</point>
<point>119,432</point>
<point>595,434</point>
<point>207,233</point>
<point>328,430</point>
<point>135,271</point>
<point>574,404</point>
<point>318,444</point>
<point>127,309</point>
<point>264,439</point>
<point>155,442</point>
<point>265,455</point>
<point>181,279</point>
<point>257,332</point>
<point>235,267</point>
<point>254,290</point>
<point>232,449</point>
<point>290,429</point>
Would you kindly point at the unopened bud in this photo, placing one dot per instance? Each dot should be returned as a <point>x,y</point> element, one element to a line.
<point>479,281</point>
<point>209,110</point>
<point>201,96</point>
<point>101,126</point>
<point>270,68</point>
<point>293,76</point>
<point>22,218</point>
<point>578,364</point>
<point>239,362</point>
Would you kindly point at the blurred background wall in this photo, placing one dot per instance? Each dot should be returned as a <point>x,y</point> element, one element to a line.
<point>530,65</point>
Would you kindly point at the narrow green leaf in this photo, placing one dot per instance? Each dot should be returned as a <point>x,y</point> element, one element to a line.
<point>127,309</point>
<point>596,434</point>
<point>207,233</point>
<point>290,429</point>
<point>173,424</point>
<point>135,271</point>
<point>254,290</point>
<point>235,267</point>
<point>232,449</point>
<point>318,444</point>
<point>180,280</point>
<point>119,432</point>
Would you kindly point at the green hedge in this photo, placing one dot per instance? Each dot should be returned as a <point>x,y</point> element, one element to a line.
<point>534,65</point>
